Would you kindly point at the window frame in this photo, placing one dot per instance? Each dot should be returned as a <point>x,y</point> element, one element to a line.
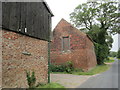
<point>63,50</point>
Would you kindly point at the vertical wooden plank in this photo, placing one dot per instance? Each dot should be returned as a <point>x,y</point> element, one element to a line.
<point>46,24</point>
<point>18,15</point>
<point>10,15</point>
<point>38,25</point>
<point>40,20</point>
<point>22,16</point>
<point>49,27</point>
<point>14,17</point>
<point>44,31</point>
<point>0,14</point>
<point>5,14</point>
<point>31,15</point>
<point>36,18</point>
<point>40,14</point>
<point>29,18</point>
<point>42,23</point>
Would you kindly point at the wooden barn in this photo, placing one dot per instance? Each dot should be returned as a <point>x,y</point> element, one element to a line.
<point>26,28</point>
<point>70,44</point>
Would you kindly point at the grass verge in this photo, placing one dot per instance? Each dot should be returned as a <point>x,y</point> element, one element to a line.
<point>109,61</point>
<point>118,58</point>
<point>111,58</point>
<point>96,70</point>
<point>59,72</point>
<point>52,85</point>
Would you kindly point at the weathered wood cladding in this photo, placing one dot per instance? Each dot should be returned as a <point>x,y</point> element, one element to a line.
<point>34,16</point>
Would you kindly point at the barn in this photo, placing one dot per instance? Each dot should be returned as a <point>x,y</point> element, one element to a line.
<point>26,28</point>
<point>70,44</point>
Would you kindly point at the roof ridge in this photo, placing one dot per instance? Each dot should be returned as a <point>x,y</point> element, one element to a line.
<point>76,30</point>
<point>71,25</point>
<point>47,6</point>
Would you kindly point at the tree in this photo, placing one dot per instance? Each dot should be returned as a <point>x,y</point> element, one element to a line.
<point>118,54</point>
<point>113,54</point>
<point>99,20</point>
<point>101,53</point>
<point>104,15</point>
<point>101,50</point>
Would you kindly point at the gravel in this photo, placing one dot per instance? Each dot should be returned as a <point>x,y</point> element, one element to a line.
<point>69,80</point>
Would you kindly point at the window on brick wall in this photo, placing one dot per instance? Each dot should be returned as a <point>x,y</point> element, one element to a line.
<point>66,43</point>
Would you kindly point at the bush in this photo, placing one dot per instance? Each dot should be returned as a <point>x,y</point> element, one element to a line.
<point>118,54</point>
<point>102,52</point>
<point>79,70</point>
<point>113,54</point>
<point>67,67</point>
<point>57,68</point>
<point>31,79</point>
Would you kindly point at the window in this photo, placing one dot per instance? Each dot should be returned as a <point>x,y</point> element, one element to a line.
<point>66,43</point>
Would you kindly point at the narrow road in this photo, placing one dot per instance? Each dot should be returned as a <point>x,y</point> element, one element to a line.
<point>108,79</point>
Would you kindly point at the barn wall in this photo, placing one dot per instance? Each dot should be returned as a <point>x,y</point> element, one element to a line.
<point>77,52</point>
<point>34,16</point>
<point>91,57</point>
<point>77,57</point>
<point>81,51</point>
<point>14,62</point>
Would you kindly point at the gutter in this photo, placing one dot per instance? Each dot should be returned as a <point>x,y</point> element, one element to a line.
<point>48,61</point>
<point>49,40</point>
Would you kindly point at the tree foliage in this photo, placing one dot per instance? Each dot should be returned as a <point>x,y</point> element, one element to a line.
<point>118,54</point>
<point>113,54</point>
<point>98,20</point>
<point>102,52</point>
<point>104,15</point>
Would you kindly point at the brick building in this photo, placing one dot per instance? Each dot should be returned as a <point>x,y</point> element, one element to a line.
<point>25,36</point>
<point>70,44</point>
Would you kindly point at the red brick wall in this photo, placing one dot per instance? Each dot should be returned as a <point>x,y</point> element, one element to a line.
<point>14,62</point>
<point>91,57</point>
<point>81,47</point>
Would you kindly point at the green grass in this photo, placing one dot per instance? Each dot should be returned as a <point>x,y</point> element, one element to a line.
<point>52,85</point>
<point>111,60</point>
<point>59,72</point>
<point>96,70</point>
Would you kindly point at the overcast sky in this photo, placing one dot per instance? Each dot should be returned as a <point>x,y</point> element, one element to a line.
<point>62,9</point>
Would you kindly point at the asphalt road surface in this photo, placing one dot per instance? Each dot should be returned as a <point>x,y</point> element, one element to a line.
<point>108,79</point>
